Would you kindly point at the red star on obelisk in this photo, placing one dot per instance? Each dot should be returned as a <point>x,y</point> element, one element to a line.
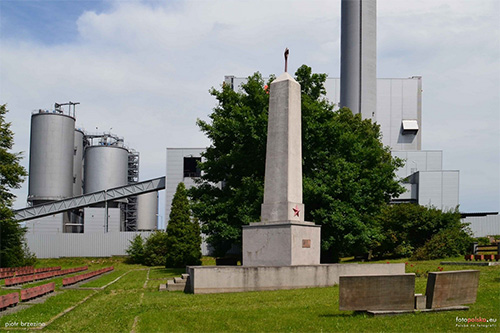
<point>296,211</point>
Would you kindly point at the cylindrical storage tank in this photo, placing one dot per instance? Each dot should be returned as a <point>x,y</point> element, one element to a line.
<point>78,163</point>
<point>147,210</point>
<point>51,157</point>
<point>105,167</point>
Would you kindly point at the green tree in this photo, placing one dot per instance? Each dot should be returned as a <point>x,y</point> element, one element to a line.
<point>347,173</point>
<point>136,250</point>
<point>13,250</point>
<point>406,228</point>
<point>155,249</point>
<point>183,233</point>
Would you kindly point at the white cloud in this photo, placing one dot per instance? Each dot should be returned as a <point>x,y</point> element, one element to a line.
<point>145,70</point>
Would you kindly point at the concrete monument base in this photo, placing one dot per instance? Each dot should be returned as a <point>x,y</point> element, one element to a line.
<point>227,279</point>
<point>281,244</point>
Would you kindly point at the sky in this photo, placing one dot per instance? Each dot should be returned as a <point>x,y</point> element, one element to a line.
<point>143,69</point>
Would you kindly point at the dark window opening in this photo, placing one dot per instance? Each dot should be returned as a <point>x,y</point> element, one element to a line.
<point>191,167</point>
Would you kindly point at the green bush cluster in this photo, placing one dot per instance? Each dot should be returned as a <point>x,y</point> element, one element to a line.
<point>149,252</point>
<point>409,230</point>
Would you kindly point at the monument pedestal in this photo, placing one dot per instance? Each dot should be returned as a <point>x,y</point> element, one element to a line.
<point>285,243</point>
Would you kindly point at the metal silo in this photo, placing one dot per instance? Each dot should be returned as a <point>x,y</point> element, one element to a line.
<point>51,156</point>
<point>105,167</point>
<point>147,210</point>
<point>78,162</point>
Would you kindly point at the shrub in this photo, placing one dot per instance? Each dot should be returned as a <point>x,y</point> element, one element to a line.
<point>482,241</point>
<point>155,249</point>
<point>446,243</point>
<point>406,227</point>
<point>136,250</point>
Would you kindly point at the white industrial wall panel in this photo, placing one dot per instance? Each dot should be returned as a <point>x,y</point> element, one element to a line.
<point>434,160</point>
<point>49,224</point>
<point>430,189</point>
<point>396,116</point>
<point>483,226</point>
<point>450,197</point>
<point>81,245</point>
<point>383,116</point>
<point>332,86</point>
<point>439,189</point>
<point>114,218</point>
<point>420,160</point>
<point>94,220</point>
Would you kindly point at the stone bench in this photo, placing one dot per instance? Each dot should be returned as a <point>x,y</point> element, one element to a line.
<point>377,292</point>
<point>30,293</point>
<point>8,300</point>
<point>85,276</point>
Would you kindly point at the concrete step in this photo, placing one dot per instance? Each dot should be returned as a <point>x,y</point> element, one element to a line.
<point>185,276</point>
<point>179,280</point>
<point>172,286</point>
<point>163,287</point>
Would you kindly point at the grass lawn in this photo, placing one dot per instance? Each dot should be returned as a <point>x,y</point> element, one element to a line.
<point>133,302</point>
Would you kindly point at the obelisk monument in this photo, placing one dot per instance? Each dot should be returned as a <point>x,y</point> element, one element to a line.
<point>282,238</point>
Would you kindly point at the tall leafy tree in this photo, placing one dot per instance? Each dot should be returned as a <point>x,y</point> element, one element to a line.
<point>12,250</point>
<point>347,173</point>
<point>183,240</point>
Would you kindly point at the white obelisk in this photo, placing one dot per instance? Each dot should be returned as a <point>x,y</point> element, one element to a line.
<point>282,238</point>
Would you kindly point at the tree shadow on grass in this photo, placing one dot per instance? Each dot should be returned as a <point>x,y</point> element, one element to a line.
<point>169,270</point>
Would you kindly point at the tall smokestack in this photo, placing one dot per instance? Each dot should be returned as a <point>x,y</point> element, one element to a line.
<point>358,57</point>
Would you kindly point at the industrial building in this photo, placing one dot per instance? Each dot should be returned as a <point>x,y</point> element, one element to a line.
<point>84,189</point>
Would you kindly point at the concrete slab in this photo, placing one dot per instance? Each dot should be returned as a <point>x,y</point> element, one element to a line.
<point>179,280</point>
<point>377,292</point>
<point>172,286</point>
<point>225,279</point>
<point>400,312</point>
<point>452,288</point>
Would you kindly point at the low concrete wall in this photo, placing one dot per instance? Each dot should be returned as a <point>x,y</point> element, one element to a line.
<point>377,292</point>
<point>225,279</point>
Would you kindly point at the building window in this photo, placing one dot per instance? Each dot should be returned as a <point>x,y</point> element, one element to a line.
<point>191,167</point>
